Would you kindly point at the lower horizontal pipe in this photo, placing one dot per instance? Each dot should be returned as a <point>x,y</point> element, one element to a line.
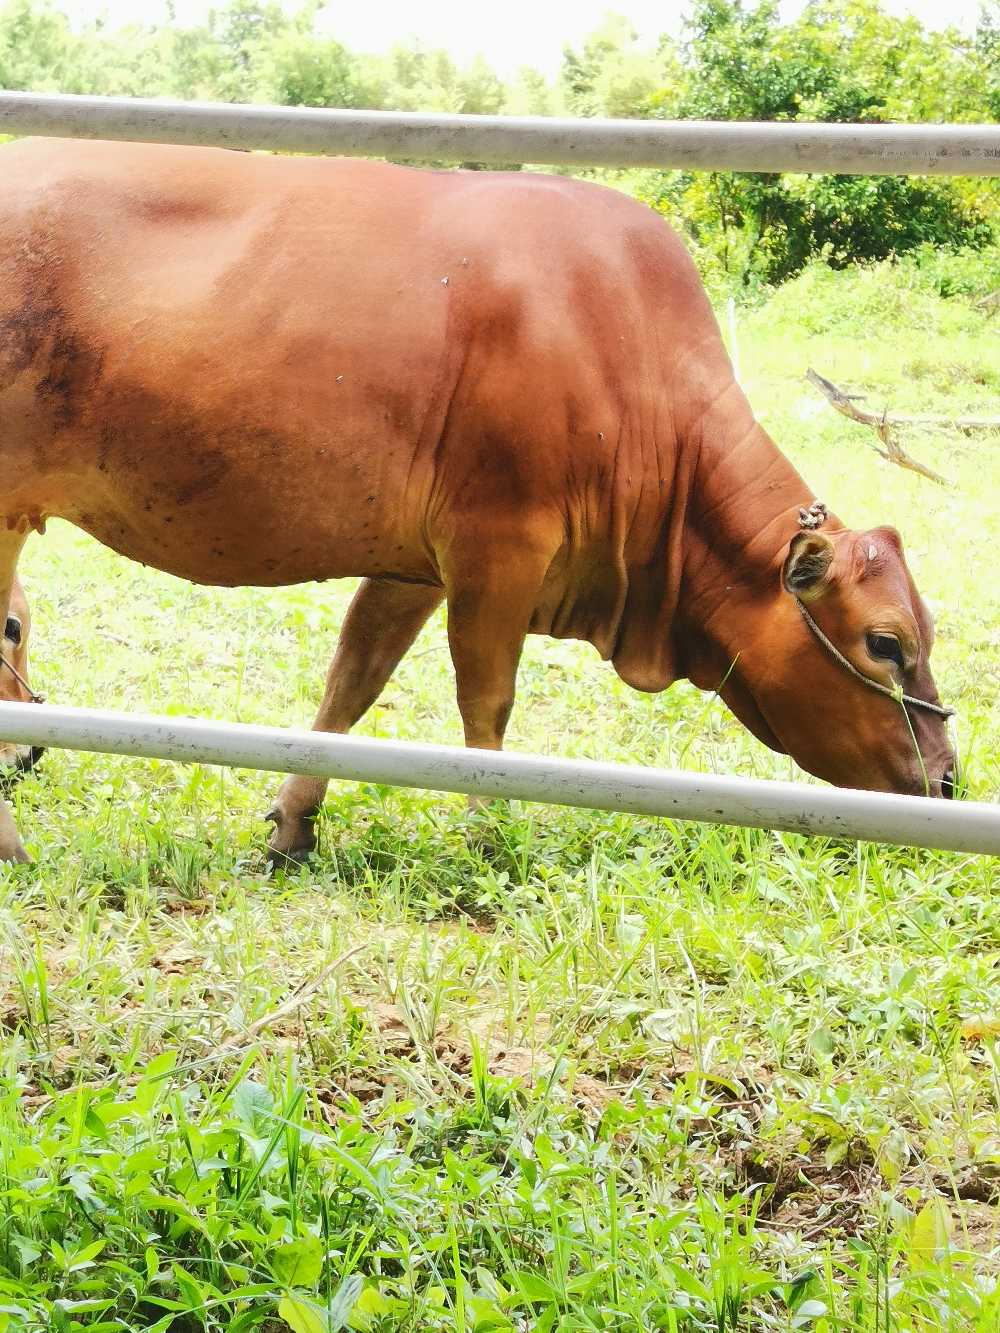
<point>963,826</point>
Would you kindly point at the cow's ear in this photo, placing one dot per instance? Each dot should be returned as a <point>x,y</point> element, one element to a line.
<point>806,571</point>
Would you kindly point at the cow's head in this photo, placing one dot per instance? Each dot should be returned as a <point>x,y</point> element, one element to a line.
<point>793,692</point>
<point>15,760</point>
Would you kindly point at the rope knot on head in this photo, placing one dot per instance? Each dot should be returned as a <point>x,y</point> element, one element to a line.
<point>813,517</point>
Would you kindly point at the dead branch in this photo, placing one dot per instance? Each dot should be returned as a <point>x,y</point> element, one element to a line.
<point>902,418</point>
<point>967,425</point>
<point>893,452</point>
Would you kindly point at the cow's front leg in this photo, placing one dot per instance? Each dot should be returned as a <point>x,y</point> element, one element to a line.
<point>381,623</point>
<point>490,606</point>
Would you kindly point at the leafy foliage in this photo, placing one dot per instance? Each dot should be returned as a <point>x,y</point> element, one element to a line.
<point>612,76</point>
<point>840,60</point>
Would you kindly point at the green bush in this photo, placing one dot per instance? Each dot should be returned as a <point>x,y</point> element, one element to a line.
<point>896,295</point>
<point>840,61</point>
<point>962,272</point>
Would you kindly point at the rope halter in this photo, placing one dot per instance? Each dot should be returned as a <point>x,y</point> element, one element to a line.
<point>32,695</point>
<point>812,518</point>
<point>897,694</point>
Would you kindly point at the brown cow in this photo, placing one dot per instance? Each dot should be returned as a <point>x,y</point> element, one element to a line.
<point>508,391</point>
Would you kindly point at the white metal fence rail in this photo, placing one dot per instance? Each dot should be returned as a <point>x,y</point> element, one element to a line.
<point>940,150</point>
<point>959,825</point>
<point>697,145</point>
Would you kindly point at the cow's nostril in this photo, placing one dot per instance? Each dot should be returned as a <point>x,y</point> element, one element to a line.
<point>948,783</point>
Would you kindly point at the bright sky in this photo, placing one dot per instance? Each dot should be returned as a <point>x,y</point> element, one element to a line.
<point>509,34</point>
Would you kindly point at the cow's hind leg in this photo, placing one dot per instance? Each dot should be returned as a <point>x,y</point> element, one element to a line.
<point>383,620</point>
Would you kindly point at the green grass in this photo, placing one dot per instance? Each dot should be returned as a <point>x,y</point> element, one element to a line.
<point>572,1071</point>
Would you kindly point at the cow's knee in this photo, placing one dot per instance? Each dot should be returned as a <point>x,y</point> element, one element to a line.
<point>14,851</point>
<point>485,718</point>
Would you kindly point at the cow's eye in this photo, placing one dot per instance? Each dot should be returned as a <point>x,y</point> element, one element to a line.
<point>887,647</point>
<point>12,630</point>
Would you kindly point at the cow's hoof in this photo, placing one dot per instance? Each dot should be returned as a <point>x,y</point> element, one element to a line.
<point>292,842</point>
<point>289,861</point>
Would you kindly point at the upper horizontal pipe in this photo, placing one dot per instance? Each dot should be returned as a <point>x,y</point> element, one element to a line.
<point>796,146</point>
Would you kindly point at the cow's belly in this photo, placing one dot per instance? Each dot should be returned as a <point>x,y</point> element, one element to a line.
<point>216,549</point>
<point>223,471</point>
<point>235,519</point>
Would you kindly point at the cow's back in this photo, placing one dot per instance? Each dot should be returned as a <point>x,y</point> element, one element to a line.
<point>259,369</point>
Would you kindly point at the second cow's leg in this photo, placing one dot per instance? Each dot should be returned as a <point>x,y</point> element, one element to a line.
<point>381,624</point>
<point>11,847</point>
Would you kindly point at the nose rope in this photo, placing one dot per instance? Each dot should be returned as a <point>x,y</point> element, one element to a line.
<point>897,694</point>
<point>35,698</point>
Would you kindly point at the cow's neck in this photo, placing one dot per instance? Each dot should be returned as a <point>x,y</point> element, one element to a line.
<point>742,511</point>
<point>731,508</point>
<point>730,513</point>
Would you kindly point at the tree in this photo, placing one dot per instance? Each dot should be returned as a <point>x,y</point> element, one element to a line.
<point>243,32</point>
<point>37,47</point>
<point>531,94</point>
<point>842,60</point>
<point>299,69</point>
<point>988,50</point>
<point>613,76</point>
